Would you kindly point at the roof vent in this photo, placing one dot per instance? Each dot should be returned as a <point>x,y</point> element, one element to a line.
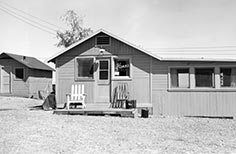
<point>24,57</point>
<point>102,40</point>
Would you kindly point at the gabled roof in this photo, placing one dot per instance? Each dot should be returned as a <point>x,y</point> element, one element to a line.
<point>197,54</point>
<point>30,62</point>
<point>52,59</point>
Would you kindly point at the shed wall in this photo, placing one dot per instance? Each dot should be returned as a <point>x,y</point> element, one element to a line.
<point>149,83</point>
<point>18,87</point>
<point>39,81</point>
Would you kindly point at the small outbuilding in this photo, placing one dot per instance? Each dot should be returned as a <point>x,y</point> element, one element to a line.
<point>200,84</point>
<point>24,76</point>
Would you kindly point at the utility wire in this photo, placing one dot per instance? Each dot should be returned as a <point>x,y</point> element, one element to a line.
<point>32,16</point>
<point>49,28</point>
<point>25,21</point>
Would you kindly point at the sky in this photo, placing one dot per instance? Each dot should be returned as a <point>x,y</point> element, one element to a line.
<point>146,23</point>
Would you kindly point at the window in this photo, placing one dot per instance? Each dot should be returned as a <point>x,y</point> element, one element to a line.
<point>179,77</point>
<point>103,40</point>
<point>201,78</point>
<point>228,77</point>
<point>19,73</point>
<point>84,68</point>
<point>122,68</point>
<point>103,70</point>
<point>204,77</point>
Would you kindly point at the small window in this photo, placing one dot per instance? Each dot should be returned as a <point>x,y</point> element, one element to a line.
<point>228,77</point>
<point>84,68</point>
<point>19,73</point>
<point>122,67</point>
<point>103,70</point>
<point>179,77</point>
<point>103,40</point>
<point>204,77</point>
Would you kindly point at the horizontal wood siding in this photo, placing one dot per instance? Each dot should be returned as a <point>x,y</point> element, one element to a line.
<point>39,80</point>
<point>18,87</point>
<point>140,71</point>
<point>141,66</point>
<point>159,75</point>
<point>141,79</point>
<point>64,88</point>
<point>189,103</point>
<point>65,73</point>
<point>115,83</point>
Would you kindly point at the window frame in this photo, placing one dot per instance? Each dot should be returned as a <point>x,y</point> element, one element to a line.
<point>170,82</point>
<point>192,81</point>
<point>169,77</point>
<point>108,70</point>
<point>96,38</point>
<point>19,79</point>
<point>76,77</point>
<point>225,87</point>
<point>130,68</point>
<point>213,77</point>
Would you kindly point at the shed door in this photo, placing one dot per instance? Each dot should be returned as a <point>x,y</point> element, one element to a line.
<point>6,80</point>
<point>103,81</point>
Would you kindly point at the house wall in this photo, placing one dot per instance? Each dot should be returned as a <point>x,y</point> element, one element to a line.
<point>139,84</point>
<point>65,73</point>
<point>40,81</point>
<point>192,102</point>
<point>18,87</point>
<point>148,84</point>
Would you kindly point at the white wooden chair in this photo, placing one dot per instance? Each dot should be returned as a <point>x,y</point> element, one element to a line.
<point>77,96</point>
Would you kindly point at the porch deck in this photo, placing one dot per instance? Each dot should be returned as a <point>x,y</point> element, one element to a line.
<point>99,111</point>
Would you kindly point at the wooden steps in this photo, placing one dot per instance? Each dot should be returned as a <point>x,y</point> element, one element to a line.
<point>106,111</point>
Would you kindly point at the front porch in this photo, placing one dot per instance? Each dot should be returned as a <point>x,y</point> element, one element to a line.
<point>99,111</point>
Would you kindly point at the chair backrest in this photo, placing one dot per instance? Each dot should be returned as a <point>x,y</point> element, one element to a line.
<point>77,91</point>
<point>122,91</point>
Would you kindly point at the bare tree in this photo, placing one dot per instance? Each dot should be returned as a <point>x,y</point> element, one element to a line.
<point>75,32</point>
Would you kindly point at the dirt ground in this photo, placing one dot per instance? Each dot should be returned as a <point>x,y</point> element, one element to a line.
<point>24,131</point>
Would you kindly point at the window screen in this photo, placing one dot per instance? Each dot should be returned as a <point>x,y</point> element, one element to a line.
<point>19,73</point>
<point>103,70</point>
<point>179,77</point>
<point>204,77</point>
<point>84,68</point>
<point>122,67</point>
<point>228,77</point>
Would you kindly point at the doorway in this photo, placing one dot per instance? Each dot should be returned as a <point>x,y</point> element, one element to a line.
<point>6,80</point>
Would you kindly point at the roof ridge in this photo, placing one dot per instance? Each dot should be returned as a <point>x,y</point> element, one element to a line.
<point>108,33</point>
<point>28,61</point>
<point>19,55</point>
